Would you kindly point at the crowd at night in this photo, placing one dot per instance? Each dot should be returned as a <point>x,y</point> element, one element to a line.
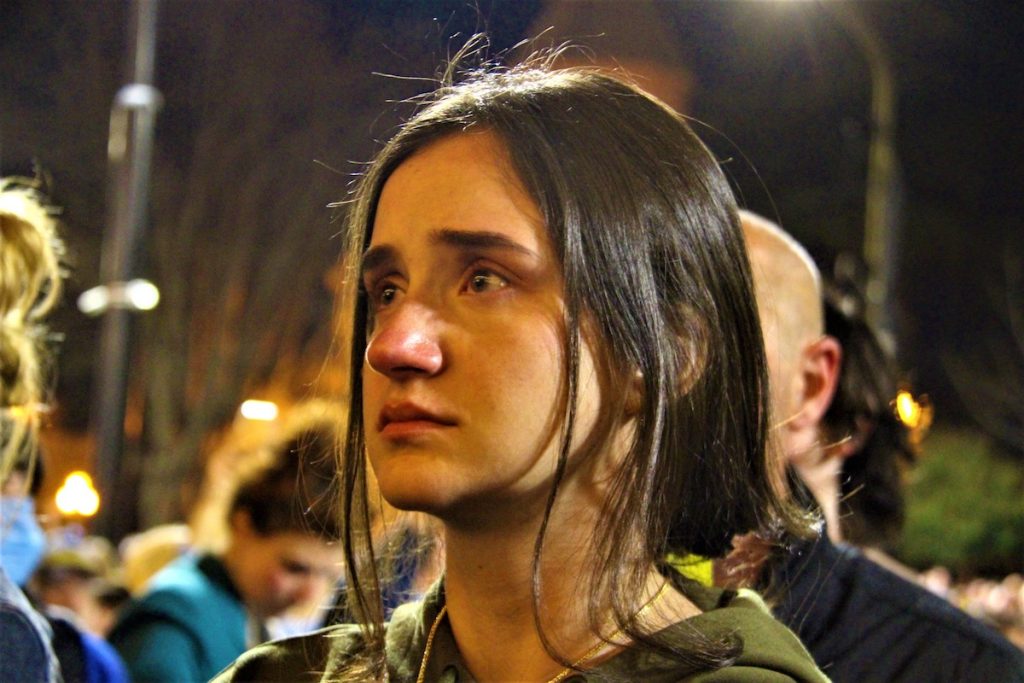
<point>513,340</point>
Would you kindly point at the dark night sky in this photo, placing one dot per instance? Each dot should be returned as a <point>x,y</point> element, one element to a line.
<point>785,89</point>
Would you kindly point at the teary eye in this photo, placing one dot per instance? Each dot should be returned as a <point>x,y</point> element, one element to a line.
<point>386,295</point>
<point>381,295</point>
<point>483,280</point>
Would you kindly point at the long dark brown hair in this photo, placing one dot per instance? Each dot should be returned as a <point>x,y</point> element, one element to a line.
<point>646,231</point>
<point>873,506</point>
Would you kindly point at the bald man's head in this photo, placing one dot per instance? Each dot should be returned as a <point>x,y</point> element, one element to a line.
<point>803,362</point>
<point>787,282</point>
<point>788,290</point>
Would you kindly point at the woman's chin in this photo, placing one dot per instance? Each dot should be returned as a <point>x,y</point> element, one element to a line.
<point>413,492</point>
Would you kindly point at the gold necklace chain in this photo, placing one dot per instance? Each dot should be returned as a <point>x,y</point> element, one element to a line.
<point>430,643</point>
<point>587,656</point>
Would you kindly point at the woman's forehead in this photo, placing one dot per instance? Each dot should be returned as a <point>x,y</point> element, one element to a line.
<point>462,182</point>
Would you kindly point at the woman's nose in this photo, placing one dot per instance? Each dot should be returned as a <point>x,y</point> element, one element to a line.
<point>405,343</point>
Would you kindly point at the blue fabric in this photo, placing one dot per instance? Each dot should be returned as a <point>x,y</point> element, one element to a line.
<point>22,541</point>
<point>84,658</point>
<point>102,663</point>
<point>189,625</point>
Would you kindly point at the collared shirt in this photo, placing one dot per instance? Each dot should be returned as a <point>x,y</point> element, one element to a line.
<point>770,652</point>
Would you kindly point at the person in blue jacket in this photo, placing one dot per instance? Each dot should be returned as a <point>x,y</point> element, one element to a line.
<point>203,610</point>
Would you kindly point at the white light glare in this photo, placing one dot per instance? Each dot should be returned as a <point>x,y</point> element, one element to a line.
<point>134,295</point>
<point>93,301</point>
<point>142,295</point>
<point>263,411</point>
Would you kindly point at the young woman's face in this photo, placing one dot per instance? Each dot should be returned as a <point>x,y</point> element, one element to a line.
<point>462,380</point>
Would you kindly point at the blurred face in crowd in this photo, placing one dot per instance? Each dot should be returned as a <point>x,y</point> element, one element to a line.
<point>15,485</point>
<point>281,570</point>
<point>462,380</point>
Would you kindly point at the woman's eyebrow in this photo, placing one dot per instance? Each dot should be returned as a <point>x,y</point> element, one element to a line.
<point>479,239</point>
<point>378,256</point>
<point>375,257</point>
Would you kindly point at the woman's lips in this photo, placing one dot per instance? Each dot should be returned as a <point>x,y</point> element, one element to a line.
<point>401,420</point>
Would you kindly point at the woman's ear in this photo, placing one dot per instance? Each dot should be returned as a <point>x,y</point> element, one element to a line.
<point>634,395</point>
<point>694,352</point>
<point>693,359</point>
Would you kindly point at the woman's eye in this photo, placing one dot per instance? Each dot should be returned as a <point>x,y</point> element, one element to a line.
<point>382,295</point>
<point>485,281</point>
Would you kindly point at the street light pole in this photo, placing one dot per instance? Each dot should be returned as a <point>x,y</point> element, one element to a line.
<point>129,152</point>
<point>881,209</point>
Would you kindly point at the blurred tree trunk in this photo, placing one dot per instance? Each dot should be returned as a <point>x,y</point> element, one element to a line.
<point>241,239</point>
<point>241,236</point>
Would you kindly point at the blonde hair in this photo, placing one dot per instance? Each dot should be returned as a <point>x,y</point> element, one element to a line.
<point>30,284</point>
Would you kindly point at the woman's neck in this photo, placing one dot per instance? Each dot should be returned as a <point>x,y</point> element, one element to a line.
<point>489,594</point>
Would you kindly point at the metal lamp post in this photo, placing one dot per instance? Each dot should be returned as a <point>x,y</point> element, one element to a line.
<point>881,208</point>
<point>129,153</point>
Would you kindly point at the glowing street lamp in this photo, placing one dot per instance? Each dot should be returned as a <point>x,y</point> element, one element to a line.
<point>908,409</point>
<point>881,222</point>
<point>134,295</point>
<point>915,413</point>
<point>77,497</point>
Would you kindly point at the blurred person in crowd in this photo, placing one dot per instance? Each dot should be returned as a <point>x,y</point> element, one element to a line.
<point>24,540</point>
<point>72,580</point>
<point>859,620</point>
<point>66,586</point>
<point>1011,620</point>
<point>30,283</point>
<point>998,603</point>
<point>874,447</point>
<point>145,553</point>
<point>938,580</point>
<point>111,599</point>
<point>38,646</point>
<point>204,609</point>
<point>554,353</point>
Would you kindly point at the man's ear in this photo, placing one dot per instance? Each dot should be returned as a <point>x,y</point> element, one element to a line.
<point>820,364</point>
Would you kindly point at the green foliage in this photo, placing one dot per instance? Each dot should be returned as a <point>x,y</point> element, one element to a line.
<point>965,507</point>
